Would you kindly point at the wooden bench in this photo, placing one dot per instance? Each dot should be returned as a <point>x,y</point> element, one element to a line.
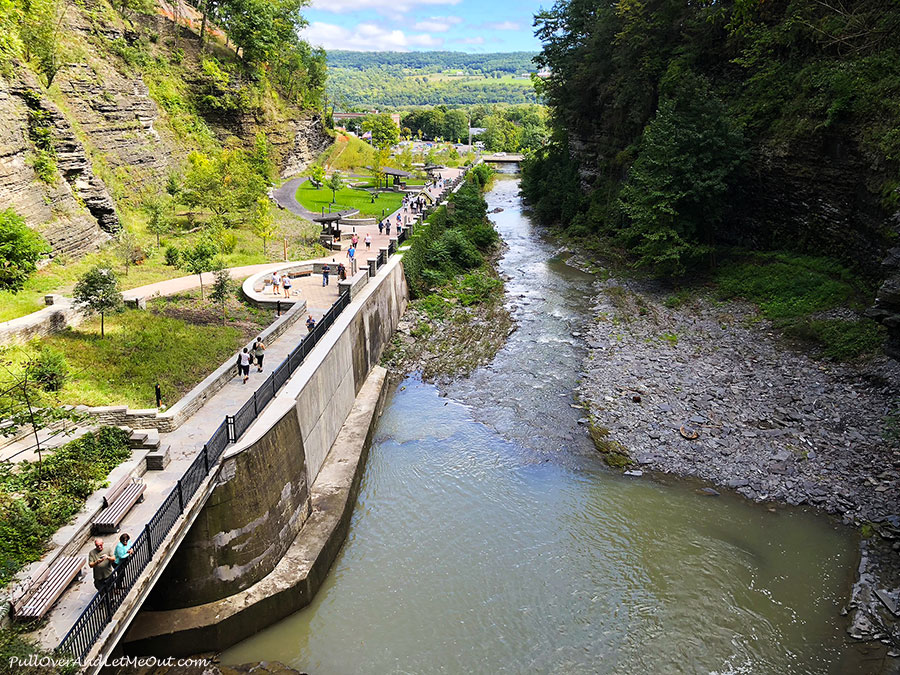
<point>46,589</point>
<point>117,501</point>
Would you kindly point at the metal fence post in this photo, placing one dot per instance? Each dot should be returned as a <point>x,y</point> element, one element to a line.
<point>180,498</point>
<point>149,540</point>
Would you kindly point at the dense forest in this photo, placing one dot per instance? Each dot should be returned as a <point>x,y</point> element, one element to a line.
<point>682,127</point>
<point>398,79</point>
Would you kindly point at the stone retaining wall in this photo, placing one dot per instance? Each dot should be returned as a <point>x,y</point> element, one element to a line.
<point>52,319</point>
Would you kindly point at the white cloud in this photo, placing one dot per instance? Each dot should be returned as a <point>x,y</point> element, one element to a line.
<point>472,41</point>
<point>437,24</point>
<point>505,25</point>
<point>382,6</point>
<point>366,37</point>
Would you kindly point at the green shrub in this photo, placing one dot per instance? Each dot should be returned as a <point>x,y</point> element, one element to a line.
<point>786,286</point>
<point>173,256</point>
<point>20,249</point>
<point>39,498</point>
<point>476,287</point>
<point>841,339</point>
<point>51,369</point>
<point>433,305</point>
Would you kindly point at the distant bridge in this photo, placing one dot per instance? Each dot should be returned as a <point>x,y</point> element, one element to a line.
<point>504,158</point>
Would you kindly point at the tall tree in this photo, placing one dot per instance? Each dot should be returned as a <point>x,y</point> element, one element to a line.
<point>41,31</point>
<point>199,259</point>
<point>385,131</point>
<point>20,249</point>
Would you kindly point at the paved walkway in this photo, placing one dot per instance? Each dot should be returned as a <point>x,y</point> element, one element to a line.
<point>188,439</point>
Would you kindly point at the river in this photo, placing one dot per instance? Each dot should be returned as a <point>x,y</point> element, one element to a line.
<point>488,537</point>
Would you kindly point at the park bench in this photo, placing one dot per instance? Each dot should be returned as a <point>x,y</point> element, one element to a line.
<point>117,501</point>
<point>46,589</point>
<point>316,184</point>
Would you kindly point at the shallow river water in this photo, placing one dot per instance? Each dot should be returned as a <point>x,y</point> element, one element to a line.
<point>489,538</point>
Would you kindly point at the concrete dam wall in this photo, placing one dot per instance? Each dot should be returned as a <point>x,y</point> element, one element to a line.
<point>267,498</point>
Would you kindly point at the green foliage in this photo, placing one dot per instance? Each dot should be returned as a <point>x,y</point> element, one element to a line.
<point>348,198</point>
<point>50,369</point>
<point>807,83</point>
<point>228,183</point>
<point>445,245</point>
<point>176,342</point>
<point>481,174</point>
<point>335,183</point>
<point>159,215</point>
<point>841,339</point>
<point>222,289</point>
<point>40,31</point>
<point>675,194</point>
<point>97,292</point>
<point>20,249</point>
<point>173,256</point>
<point>317,174</point>
<point>39,498</point>
<point>199,259</point>
<point>384,132</point>
<point>368,79</point>
<point>788,286</point>
<point>262,221</point>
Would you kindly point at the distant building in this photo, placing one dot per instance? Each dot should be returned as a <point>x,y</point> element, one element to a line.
<point>476,131</point>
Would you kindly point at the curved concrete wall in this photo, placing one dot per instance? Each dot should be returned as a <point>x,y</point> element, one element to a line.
<point>253,515</point>
<point>258,507</point>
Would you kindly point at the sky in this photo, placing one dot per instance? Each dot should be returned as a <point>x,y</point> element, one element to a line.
<point>418,25</point>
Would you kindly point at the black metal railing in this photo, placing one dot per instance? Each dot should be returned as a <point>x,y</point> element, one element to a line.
<point>100,610</point>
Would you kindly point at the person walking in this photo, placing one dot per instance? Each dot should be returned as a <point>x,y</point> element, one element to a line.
<point>286,284</point>
<point>276,283</point>
<point>387,227</point>
<point>259,351</point>
<point>310,323</point>
<point>101,563</point>
<point>380,227</point>
<point>342,272</point>
<point>368,241</point>
<point>326,270</point>
<point>243,363</point>
<point>354,240</point>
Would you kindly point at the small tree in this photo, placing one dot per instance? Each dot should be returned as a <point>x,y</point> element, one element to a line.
<point>334,184</point>
<point>20,248</point>
<point>262,221</point>
<point>199,259</point>
<point>317,173</point>
<point>222,288</point>
<point>42,26</point>
<point>127,250</point>
<point>97,292</point>
<point>159,215</point>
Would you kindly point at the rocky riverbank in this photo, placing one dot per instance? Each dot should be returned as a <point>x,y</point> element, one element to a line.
<point>711,390</point>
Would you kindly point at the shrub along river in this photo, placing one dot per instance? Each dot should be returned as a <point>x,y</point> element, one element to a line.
<point>490,537</point>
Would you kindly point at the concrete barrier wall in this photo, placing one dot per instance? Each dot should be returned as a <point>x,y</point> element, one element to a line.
<point>252,516</point>
<point>254,513</point>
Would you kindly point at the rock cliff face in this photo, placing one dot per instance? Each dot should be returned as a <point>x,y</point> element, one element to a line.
<point>53,209</point>
<point>111,139</point>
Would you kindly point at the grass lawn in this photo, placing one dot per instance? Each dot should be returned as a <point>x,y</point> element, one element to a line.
<point>348,198</point>
<point>177,342</point>
<point>62,273</point>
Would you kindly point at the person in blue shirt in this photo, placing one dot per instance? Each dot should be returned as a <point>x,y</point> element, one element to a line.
<point>123,549</point>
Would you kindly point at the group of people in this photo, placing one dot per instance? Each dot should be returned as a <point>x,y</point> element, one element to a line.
<point>105,565</point>
<point>248,356</point>
<point>281,282</point>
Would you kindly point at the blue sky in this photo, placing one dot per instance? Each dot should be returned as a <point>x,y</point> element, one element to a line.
<point>417,25</point>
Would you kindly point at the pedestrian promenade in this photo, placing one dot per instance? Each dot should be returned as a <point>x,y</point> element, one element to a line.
<point>188,440</point>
